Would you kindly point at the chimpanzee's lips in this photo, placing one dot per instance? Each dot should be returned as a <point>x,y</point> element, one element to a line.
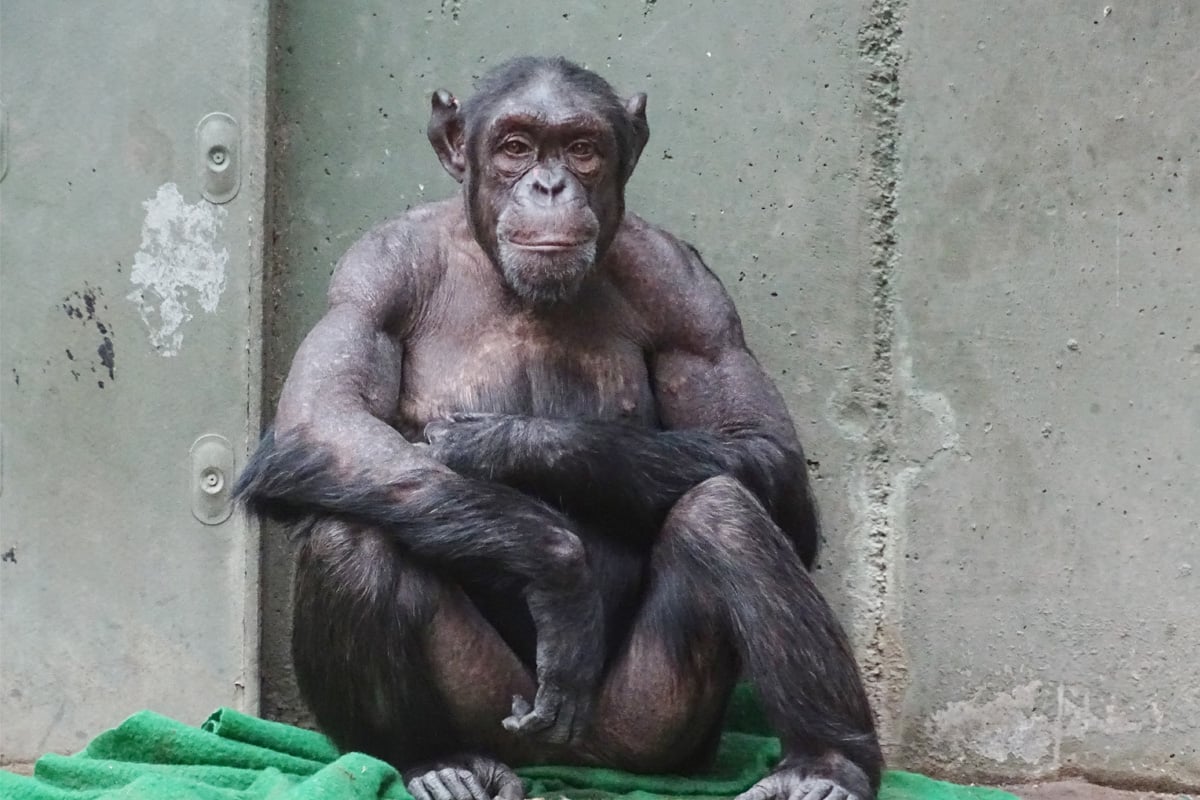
<point>548,245</point>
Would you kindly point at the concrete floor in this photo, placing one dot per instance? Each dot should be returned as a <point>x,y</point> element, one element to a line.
<point>1081,790</point>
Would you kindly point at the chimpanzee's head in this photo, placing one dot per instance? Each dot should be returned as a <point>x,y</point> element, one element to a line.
<point>544,148</point>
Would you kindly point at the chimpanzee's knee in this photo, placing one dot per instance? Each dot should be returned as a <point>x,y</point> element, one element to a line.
<point>722,497</point>
<point>720,522</point>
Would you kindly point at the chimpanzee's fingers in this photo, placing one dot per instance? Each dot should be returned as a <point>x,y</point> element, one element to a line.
<point>433,784</point>
<point>522,716</point>
<point>436,430</point>
<point>474,416</point>
<point>416,787</point>
<point>510,787</point>
<point>521,706</point>
<point>825,790</point>
<point>533,722</point>
<point>759,791</point>
<point>452,779</point>
<point>474,786</point>
<point>563,729</point>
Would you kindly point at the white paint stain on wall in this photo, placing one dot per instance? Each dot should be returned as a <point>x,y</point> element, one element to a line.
<point>178,263</point>
<point>1009,725</point>
<point>1030,723</point>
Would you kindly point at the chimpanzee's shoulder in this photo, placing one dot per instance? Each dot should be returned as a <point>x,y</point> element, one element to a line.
<point>663,274</point>
<point>405,255</point>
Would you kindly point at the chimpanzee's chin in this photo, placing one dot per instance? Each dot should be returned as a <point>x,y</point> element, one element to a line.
<point>546,277</point>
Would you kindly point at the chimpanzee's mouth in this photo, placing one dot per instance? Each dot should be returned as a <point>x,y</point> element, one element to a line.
<point>549,245</point>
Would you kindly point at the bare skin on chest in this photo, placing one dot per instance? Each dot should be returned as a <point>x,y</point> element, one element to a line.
<point>509,359</point>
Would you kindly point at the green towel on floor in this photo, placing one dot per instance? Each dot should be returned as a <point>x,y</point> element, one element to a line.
<point>237,757</point>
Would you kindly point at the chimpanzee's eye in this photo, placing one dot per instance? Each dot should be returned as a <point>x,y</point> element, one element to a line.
<point>517,148</point>
<point>582,149</point>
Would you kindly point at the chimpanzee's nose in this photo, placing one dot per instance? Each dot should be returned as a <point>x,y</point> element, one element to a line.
<point>549,183</point>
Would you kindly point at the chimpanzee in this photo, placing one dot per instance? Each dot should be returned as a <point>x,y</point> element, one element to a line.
<point>549,507</point>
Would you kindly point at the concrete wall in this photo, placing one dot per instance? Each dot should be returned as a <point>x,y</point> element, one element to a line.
<point>1044,432</point>
<point>962,238</point>
<point>129,327</point>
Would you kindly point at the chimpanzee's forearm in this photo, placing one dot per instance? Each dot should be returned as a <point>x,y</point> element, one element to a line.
<point>611,470</point>
<point>462,526</point>
<point>433,512</point>
<point>618,470</point>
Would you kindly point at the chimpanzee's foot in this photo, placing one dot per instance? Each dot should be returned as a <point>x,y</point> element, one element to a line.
<point>819,779</point>
<point>790,787</point>
<point>464,777</point>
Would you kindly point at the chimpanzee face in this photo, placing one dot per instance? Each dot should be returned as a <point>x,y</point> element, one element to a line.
<point>544,191</point>
<point>544,171</point>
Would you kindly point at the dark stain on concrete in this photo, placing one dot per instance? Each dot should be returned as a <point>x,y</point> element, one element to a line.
<point>107,356</point>
<point>10,555</point>
<point>85,305</point>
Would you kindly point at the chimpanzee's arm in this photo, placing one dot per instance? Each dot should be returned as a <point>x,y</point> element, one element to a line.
<point>590,468</point>
<point>716,384</point>
<point>330,449</point>
<point>331,452</point>
<point>721,414</point>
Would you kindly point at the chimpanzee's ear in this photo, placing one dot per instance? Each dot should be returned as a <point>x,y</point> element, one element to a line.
<point>635,107</point>
<point>445,133</point>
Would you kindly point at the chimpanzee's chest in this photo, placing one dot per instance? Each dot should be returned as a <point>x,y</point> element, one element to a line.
<point>572,367</point>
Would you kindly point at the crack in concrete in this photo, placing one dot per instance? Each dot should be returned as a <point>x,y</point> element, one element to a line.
<point>879,48</point>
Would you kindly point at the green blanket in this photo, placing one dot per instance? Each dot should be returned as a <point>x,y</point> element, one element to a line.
<point>233,756</point>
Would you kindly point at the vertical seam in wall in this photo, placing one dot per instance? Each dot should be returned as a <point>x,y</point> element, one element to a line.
<point>255,133</point>
<point>272,214</point>
<point>277,692</point>
<point>879,48</point>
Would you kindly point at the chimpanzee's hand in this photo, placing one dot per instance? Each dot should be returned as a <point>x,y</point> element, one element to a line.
<point>462,425</point>
<point>470,443</point>
<point>494,447</point>
<point>474,418</point>
<point>557,716</point>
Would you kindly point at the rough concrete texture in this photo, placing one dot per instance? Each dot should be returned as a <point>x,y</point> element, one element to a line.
<point>962,238</point>
<point>1045,374</point>
<point>129,326</point>
<point>1081,790</point>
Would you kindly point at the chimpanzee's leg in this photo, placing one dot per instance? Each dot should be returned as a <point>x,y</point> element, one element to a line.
<point>398,663</point>
<point>395,662</point>
<point>727,589</point>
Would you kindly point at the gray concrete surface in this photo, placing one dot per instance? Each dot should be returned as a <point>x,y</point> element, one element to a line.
<point>1045,427</point>
<point>129,326</point>
<point>962,238</point>
<point>1081,790</point>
